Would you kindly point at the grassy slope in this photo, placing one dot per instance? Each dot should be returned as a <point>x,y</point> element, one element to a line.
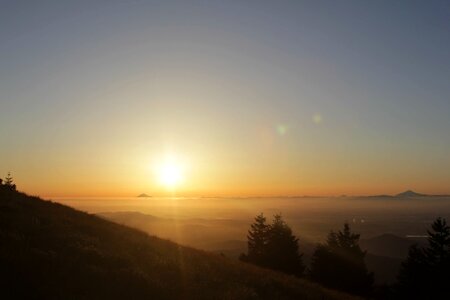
<point>51,251</point>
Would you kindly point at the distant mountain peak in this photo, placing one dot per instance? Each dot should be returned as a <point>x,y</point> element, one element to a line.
<point>410,193</point>
<point>144,196</point>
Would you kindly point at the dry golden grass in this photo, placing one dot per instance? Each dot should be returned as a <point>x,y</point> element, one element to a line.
<point>51,251</point>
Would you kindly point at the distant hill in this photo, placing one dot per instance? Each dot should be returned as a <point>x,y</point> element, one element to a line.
<point>407,194</point>
<point>410,193</point>
<point>380,196</point>
<point>51,251</point>
<point>144,196</point>
<point>385,255</point>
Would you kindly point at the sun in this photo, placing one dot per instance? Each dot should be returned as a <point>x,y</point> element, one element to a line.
<point>169,171</point>
<point>170,174</point>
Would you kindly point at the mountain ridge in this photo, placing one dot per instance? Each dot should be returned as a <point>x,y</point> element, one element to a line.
<point>410,193</point>
<point>144,195</point>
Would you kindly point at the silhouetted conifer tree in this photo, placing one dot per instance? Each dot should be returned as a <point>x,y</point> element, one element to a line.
<point>9,182</point>
<point>339,263</point>
<point>425,272</point>
<point>8,179</point>
<point>257,241</point>
<point>282,249</point>
<point>273,246</point>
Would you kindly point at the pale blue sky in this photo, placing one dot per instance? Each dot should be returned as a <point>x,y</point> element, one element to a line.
<point>94,82</point>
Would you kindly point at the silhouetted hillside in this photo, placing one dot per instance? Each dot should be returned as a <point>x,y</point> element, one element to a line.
<point>385,252</point>
<point>50,251</point>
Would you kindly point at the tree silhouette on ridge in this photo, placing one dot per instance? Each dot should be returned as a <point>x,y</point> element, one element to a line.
<point>274,246</point>
<point>339,263</point>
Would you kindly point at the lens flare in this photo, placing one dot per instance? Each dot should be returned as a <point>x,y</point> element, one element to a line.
<point>282,129</point>
<point>317,118</point>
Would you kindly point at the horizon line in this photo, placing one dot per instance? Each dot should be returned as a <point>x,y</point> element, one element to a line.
<point>247,196</point>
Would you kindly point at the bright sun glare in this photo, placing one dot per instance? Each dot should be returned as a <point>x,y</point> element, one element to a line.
<point>170,174</point>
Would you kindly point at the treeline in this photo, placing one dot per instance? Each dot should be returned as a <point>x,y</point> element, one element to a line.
<point>339,263</point>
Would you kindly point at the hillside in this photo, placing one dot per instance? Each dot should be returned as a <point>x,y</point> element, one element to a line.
<point>385,252</point>
<point>51,251</point>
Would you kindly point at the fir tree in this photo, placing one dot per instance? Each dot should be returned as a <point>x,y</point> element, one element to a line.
<point>257,241</point>
<point>339,263</point>
<point>282,249</point>
<point>424,273</point>
<point>273,246</point>
<point>9,179</point>
<point>438,251</point>
<point>9,182</point>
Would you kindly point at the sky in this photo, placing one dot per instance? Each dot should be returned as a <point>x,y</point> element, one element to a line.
<point>242,98</point>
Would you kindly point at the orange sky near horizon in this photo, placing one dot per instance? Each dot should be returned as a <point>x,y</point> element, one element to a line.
<point>250,98</point>
<point>269,175</point>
